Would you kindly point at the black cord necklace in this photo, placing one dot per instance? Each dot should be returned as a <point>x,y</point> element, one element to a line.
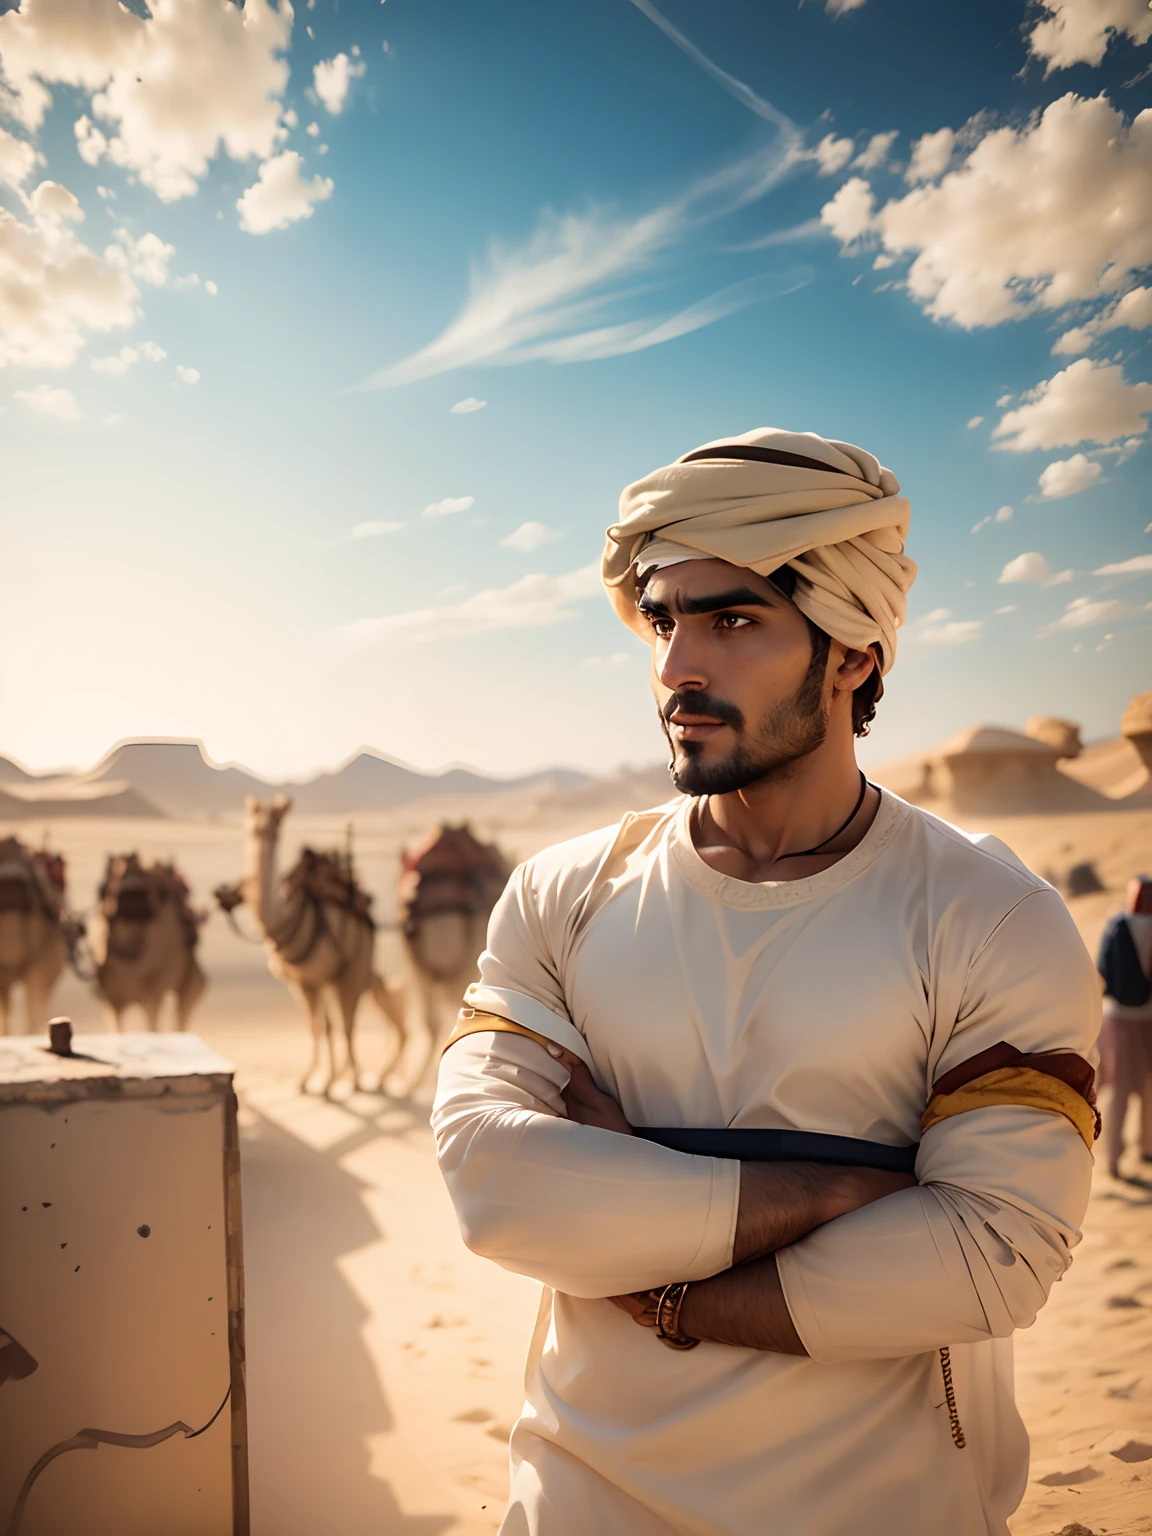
<point>831,838</point>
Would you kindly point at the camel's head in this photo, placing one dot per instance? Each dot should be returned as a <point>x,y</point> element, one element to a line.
<point>263,817</point>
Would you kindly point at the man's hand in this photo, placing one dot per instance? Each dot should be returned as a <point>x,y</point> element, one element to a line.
<point>584,1101</point>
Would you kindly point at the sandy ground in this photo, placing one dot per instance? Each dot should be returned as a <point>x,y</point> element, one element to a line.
<point>385,1360</point>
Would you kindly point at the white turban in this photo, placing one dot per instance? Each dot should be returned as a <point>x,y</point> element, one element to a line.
<point>826,509</point>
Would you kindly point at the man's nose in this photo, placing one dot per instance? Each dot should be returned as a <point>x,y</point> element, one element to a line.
<point>681,665</point>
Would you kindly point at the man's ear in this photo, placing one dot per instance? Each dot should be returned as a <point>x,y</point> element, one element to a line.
<point>855,669</point>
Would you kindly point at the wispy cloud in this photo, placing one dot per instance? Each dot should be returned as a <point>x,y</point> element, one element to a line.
<point>1033,567</point>
<point>468,406</point>
<point>374,529</point>
<point>558,297</point>
<point>1085,612</point>
<point>938,628</point>
<point>449,505</point>
<point>532,536</point>
<point>1139,565</point>
<point>533,602</point>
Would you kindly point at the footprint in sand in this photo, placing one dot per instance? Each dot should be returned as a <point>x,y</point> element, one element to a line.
<point>474,1416</point>
<point>1124,1301</point>
<point>501,1432</point>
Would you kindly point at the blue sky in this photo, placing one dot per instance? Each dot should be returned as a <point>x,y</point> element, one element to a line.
<point>239,504</point>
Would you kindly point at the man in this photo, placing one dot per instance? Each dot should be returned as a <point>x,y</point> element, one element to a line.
<point>1125,963</point>
<point>687,1091</point>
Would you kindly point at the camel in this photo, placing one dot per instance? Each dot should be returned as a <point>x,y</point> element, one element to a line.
<point>146,941</point>
<point>34,931</point>
<point>319,935</point>
<point>449,884</point>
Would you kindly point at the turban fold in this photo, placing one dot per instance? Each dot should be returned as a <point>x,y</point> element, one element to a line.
<point>768,499</point>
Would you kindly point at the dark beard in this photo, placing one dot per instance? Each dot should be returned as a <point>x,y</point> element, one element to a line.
<point>791,730</point>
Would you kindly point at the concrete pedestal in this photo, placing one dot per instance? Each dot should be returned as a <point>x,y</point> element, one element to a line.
<point>122,1405</point>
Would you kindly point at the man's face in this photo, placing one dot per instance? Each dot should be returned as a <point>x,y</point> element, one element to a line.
<point>742,697</point>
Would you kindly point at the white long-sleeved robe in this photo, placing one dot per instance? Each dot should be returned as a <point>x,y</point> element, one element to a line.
<point>827,1004</point>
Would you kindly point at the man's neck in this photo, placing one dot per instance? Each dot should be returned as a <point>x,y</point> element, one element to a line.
<point>750,833</point>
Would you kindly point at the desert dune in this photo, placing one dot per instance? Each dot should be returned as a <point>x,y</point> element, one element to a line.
<point>385,1360</point>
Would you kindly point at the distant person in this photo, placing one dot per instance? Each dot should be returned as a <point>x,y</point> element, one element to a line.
<point>1125,963</point>
<point>689,1090</point>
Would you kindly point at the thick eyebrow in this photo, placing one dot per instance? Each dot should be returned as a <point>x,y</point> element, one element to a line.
<point>735,597</point>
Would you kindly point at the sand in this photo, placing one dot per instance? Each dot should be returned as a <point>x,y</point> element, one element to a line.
<point>385,1360</point>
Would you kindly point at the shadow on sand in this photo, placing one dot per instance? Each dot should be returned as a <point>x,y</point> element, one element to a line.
<point>313,1391</point>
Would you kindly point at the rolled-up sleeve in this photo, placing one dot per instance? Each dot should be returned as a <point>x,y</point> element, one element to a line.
<point>586,1211</point>
<point>973,1252</point>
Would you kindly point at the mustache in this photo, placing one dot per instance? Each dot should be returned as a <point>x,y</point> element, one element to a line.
<point>694,702</point>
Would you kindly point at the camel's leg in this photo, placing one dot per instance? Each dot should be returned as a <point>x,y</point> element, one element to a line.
<point>348,997</point>
<point>392,1003</point>
<point>5,1008</point>
<point>150,1005</point>
<point>37,1000</point>
<point>189,992</point>
<point>111,1014</point>
<point>329,1035</point>
<point>310,1000</point>
<point>430,1010</point>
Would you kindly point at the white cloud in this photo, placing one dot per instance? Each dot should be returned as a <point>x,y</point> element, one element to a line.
<point>117,364</point>
<point>876,151</point>
<point>1079,31</point>
<point>54,290</point>
<point>833,154</point>
<point>851,212</point>
<point>1084,612</point>
<point>1003,514</point>
<point>281,195</point>
<point>18,159</point>
<point>146,258</point>
<point>374,529</point>
<point>553,299</point>
<point>167,95</point>
<point>931,156</point>
<point>1074,341</point>
<point>532,536</point>
<point>187,375</point>
<point>842,7</point>
<point>1054,213</point>
<point>938,629</point>
<point>1008,608</point>
<point>449,505</point>
<point>210,287</point>
<point>46,400</point>
<point>466,407</point>
<point>1139,565</point>
<point>313,130</point>
<point>533,602</point>
<point>1066,477</point>
<point>1085,402</point>
<point>332,79</point>
<point>1034,568</point>
<point>975,421</point>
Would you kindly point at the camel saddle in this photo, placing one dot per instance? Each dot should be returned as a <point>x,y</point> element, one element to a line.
<point>329,878</point>
<point>31,879</point>
<point>449,870</point>
<point>131,893</point>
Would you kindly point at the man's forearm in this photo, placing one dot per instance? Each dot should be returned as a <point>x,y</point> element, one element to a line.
<point>743,1306</point>
<point>782,1202</point>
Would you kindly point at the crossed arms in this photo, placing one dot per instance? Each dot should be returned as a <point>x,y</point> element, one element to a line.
<point>779,1203</point>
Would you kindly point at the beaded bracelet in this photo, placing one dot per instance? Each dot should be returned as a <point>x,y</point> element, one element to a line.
<point>668,1317</point>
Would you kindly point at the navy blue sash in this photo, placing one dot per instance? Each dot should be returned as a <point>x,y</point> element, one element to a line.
<point>784,1147</point>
